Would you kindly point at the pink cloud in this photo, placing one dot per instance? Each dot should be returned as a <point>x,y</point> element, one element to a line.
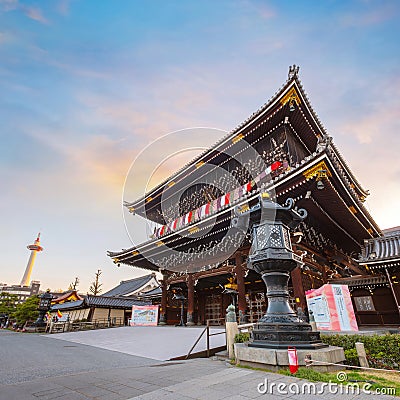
<point>35,14</point>
<point>376,16</point>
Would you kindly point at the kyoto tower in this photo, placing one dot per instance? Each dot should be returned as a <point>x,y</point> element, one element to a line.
<point>34,248</point>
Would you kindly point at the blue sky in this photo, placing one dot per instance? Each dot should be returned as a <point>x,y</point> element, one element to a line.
<point>85,85</point>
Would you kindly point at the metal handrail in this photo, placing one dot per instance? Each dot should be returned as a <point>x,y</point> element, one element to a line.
<point>207,329</point>
<point>197,341</point>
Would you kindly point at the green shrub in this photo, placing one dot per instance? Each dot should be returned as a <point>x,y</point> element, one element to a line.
<point>351,357</point>
<point>242,337</point>
<point>382,350</point>
<point>27,311</point>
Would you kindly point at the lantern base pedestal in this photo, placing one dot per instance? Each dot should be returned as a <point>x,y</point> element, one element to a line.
<point>282,335</point>
<point>276,359</point>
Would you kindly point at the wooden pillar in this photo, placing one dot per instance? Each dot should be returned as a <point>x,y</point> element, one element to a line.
<point>90,315</point>
<point>201,309</point>
<point>163,308</point>
<point>190,308</point>
<point>239,271</point>
<point>396,290</point>
<point>324,274</point>
<point>298,288</point>
<point>393,290</point>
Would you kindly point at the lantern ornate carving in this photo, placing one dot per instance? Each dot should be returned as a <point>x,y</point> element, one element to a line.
<point>272,256</point>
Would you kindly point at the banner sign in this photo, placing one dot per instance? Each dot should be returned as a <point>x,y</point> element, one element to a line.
<point>332,308</point>
<point>144,315</point>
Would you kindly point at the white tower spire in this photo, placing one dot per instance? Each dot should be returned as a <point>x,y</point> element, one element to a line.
<point>34,248</point>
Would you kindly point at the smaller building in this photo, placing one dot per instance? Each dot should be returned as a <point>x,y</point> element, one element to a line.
<point>114,305</point>
<point>23,292</point>
<point>99,308</point>
<point>376,296</point>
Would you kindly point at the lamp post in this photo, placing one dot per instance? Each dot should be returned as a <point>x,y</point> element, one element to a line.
<point>182,298</point>
<point>231,289</point>
<point>44,307</point>
<point>271,255</point>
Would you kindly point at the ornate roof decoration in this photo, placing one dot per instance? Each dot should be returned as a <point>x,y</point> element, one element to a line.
<point>318,171</point>
<point>70,295</point>
<point>293,71</point>
<point>291,97</point>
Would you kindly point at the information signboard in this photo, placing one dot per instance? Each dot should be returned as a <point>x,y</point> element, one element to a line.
<point>144,315</point>
<point>332,308</point>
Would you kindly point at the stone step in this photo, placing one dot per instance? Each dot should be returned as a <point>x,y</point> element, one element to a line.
<point>221,356</point>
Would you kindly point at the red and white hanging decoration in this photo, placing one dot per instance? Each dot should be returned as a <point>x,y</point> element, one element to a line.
<point>217,204</point>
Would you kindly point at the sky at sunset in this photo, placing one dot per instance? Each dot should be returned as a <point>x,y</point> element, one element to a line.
<point>86,85</point>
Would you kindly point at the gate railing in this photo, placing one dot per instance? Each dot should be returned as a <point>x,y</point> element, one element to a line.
<point>206,331</point>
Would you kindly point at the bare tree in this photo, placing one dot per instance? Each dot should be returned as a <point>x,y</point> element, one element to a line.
<point>74,285</point>
<point>95,287</point>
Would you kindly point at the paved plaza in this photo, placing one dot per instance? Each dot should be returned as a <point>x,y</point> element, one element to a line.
<point>156,342</point>
<point>43,368</point>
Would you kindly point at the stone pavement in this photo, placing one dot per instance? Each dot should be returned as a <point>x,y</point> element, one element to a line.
<point>85,372</point>
<point>201,379</point>
<point>155,342</point>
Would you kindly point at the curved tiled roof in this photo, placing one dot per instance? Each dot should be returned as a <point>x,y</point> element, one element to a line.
<point>392,231</point>
<point>101,302</point>
<point>154,292</point>
<point>127,287</point>
<point>114,302</point>
<point>384,248</point>
<point>359,281</point>
<point>69,305</point>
